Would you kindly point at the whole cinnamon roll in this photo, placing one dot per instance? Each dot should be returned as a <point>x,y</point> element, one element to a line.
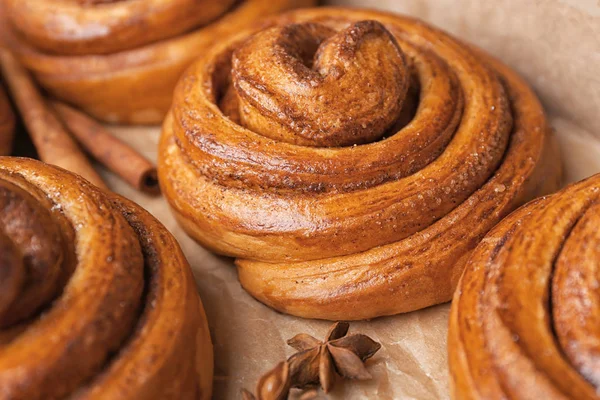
<point>119,60</point>
<point>525,321</point>
<point>350,160</point>
<point>97,300</point>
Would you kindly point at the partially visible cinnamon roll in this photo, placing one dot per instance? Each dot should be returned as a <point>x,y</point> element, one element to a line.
<point>525,320</point>
<point>350,160</point>
<point>7,124</point>
<point>97,300</point>
<point>119,60</point>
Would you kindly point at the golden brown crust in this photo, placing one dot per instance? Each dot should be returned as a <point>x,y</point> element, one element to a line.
<point>132,82</point>
<point>525,317</point>
<point>356,231</point>
<point>101,301</point>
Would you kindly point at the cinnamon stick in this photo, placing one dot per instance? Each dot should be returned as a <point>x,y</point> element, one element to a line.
<point>52,141</point>
<point>7,124</point>
<point>115,154</point>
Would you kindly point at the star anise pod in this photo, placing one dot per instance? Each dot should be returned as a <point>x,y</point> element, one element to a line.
<point>318,362</point>
<point>274,385</point>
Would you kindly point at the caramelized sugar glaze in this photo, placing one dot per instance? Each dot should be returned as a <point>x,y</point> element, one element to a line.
<point>97,300</point>
<point>525,318</point>
<point>119,60</point>
<point>350,160</point>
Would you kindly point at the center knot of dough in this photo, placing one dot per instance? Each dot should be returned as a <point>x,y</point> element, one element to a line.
<point>309,85</point>
<point>32,253</point>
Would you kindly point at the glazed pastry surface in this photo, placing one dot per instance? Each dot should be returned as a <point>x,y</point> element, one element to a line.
<point>350,160</point>
<point>97,300</point>
<point>119,60</point>
<point>525,320</point>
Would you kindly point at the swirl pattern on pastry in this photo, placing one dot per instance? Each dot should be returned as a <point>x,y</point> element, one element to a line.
<point>97,300</point>
<point>525,321</point>
<point>350,160</point>
<point>119,60</point>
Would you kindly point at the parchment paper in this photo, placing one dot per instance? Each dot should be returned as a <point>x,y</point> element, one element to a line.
<point>555,44</point>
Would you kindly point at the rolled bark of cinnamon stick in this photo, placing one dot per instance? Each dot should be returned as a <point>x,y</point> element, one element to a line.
<point>115,154</point>
<point>7,124</point>
<point>52,141</point>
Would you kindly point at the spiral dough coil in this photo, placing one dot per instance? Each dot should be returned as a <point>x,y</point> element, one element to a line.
<point>96,299</point>
<point>525,319</point>
<point>350,160</point>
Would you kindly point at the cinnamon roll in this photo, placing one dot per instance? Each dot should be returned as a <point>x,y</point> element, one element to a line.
<point>119,60</point>
<point>350,160</point>
<point>525,321</point>
<point>97,300</point>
